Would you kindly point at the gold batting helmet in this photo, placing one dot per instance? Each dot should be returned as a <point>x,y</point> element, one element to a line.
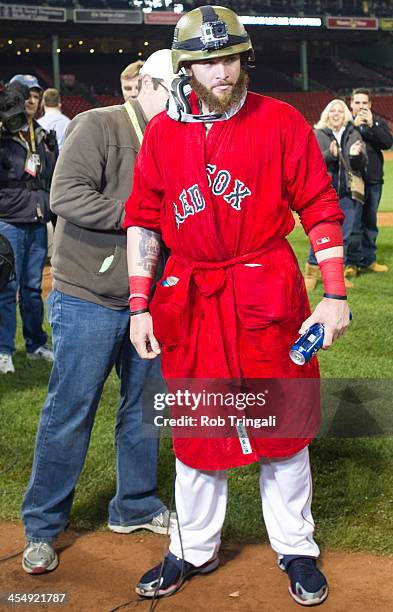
<point>208,32</point>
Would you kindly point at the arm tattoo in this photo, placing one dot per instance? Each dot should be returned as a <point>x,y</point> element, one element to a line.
<point>149,249</point>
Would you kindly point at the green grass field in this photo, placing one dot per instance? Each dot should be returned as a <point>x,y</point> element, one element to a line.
<point>387,193</point>
<point>353,478</point>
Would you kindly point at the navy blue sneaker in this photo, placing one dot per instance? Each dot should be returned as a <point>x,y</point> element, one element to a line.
<point>174,573</point>
<point>308,586</point>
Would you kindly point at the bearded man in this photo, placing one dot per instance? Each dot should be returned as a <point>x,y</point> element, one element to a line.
<point>232,298</point>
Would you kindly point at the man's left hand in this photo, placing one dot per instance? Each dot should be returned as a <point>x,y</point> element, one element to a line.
<point>334,316</point>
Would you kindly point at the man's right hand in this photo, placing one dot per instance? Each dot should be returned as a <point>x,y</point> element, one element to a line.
<point>142,337</point>
<point>364,117</point>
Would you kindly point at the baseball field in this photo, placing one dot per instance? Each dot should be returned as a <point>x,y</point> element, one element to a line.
<point>352,471</point>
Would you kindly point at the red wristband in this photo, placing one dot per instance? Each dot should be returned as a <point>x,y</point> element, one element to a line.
<point>140,288</point>
<point>332,272</point>
<point>325,236</point>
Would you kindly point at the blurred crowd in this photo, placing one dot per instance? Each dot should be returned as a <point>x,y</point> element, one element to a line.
<point>273,7</point>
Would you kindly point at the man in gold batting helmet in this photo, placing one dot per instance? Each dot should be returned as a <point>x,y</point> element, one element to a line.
<point>218,176</point>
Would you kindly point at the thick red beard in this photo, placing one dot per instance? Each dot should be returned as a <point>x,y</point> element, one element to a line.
<point>227,102</point>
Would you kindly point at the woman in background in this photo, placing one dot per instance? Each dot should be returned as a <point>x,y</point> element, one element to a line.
<point>343,150</point>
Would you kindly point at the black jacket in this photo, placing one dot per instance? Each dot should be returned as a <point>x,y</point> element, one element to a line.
<point>377,138</point>
<point>22,198</point>
<point>336,169</point>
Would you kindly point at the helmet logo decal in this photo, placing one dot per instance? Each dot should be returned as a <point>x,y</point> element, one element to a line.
<point>214,35</point>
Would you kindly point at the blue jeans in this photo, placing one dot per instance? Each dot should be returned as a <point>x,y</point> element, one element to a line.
<point>88,340</point>
<point>29,242</point>
<point>350,209</point>
<point>364,236</point>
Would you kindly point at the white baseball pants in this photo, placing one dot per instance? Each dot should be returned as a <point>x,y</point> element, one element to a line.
<point>286,491</point>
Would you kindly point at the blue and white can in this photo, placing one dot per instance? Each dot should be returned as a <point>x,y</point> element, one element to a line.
<point>308,344</point>
<point>169,281</point>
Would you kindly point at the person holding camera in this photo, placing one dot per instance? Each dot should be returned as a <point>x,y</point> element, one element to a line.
<point>27,162</point>
<point>377,136</point>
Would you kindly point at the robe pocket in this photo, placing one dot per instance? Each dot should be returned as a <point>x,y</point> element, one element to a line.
<point>167,316</point>
<point>261,297</point>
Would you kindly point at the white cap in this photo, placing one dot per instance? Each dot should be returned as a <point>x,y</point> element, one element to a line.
<point>159,66</point>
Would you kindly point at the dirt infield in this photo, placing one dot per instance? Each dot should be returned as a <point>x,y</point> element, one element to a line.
<point>385,219</point>
<point>99,570</point>
<point>46,281</point>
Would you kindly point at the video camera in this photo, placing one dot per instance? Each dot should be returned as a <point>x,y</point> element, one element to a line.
<point>12,107</point>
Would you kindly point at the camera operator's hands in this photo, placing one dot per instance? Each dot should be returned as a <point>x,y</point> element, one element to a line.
<point>50,140</point>
<point>363,117</point>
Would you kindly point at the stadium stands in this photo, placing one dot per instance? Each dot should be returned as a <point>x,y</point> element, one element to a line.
<point>264,78</point>
<point>382,70</point>
<point>342,75</point>
<point>310,104</point>
<point>383,105</point>
<point>96,77</point>
<point>72,105</point>
<point>107,100</point>
<point>266,7</point>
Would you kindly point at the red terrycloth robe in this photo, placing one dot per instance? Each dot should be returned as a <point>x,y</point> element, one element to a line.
<point>222,201</point>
